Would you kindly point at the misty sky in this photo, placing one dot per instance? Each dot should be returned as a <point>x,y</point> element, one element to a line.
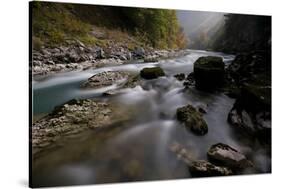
<point>195,21</point>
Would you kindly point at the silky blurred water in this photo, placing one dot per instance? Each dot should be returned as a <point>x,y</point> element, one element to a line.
<point>137,150</point>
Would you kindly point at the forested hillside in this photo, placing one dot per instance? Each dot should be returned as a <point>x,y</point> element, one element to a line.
<point>242,33</point>
<point>53,23</point>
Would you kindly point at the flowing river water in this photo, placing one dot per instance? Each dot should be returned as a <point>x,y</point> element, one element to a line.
<point>137,150</point>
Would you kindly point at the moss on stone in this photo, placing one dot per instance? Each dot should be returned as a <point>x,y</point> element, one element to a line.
<point>192,119</point>
<point>152,73</point>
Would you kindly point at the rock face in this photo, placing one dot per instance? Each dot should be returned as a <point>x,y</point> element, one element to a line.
<point>228,156</point>
<point>202,168</point>
<point>74,117</point>
<point>104,79</point>
<point>192,119</point>
<point>152,73</point>
<point>209,73</point>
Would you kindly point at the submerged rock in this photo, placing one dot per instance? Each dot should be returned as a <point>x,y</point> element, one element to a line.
<point>180,76</point>
<point>209,73</point>
<point>202,168</point>
<point>192,119</point>
<point>132,81</point>
<point>104,79</point>
<point>182,153</point>
<point>152,73</point>
<point>228,156</point>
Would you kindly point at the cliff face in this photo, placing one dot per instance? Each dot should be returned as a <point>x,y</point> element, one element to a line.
<point>244,33</point>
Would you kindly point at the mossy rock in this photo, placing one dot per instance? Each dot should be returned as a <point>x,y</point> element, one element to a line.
<point>209,73</point>
<point>152,73</point>
<point>192,119</point>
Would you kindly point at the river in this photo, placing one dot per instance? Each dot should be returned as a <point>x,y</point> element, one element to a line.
<point>138,150</point>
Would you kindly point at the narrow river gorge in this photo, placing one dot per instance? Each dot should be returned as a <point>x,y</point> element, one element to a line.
<point>139,148</point>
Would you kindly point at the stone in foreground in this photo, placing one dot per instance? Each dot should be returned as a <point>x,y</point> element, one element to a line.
<point>228,156</point>
<point>209,73</point>
<point>152,73</point>
<point>202,168</point>
<point>192,119</point>
<point>72,118</point>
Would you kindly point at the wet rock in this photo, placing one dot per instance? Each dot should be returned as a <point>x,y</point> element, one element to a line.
<point>192,119</point>
<point>228,156</point>
<point>150,59</point>
<point>139,52</point>
<point>209,73</point>
<point>202,168</point>
<point>201,109</point>
<point>104,79</point>
<point>197,168</point>
<point>241,120</point>
<point>74,117</point>
<point>180,76</point>
<point>132,82</point>
<point>152,73</point>
<point>189,81</point>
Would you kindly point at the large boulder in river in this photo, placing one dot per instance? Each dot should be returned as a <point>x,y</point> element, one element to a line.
<point>251,113</point>
<point>192,119</point>
<point>152,73</point>
<point>202,168</point>
<point>228,156</point>
<point>209,73</point>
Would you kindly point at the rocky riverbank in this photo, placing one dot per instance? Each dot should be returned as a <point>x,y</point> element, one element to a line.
<point>72,118</point>
<point>78,56</point>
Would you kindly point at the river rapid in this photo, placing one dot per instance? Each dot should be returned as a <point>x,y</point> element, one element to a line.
<point>138,149</point>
